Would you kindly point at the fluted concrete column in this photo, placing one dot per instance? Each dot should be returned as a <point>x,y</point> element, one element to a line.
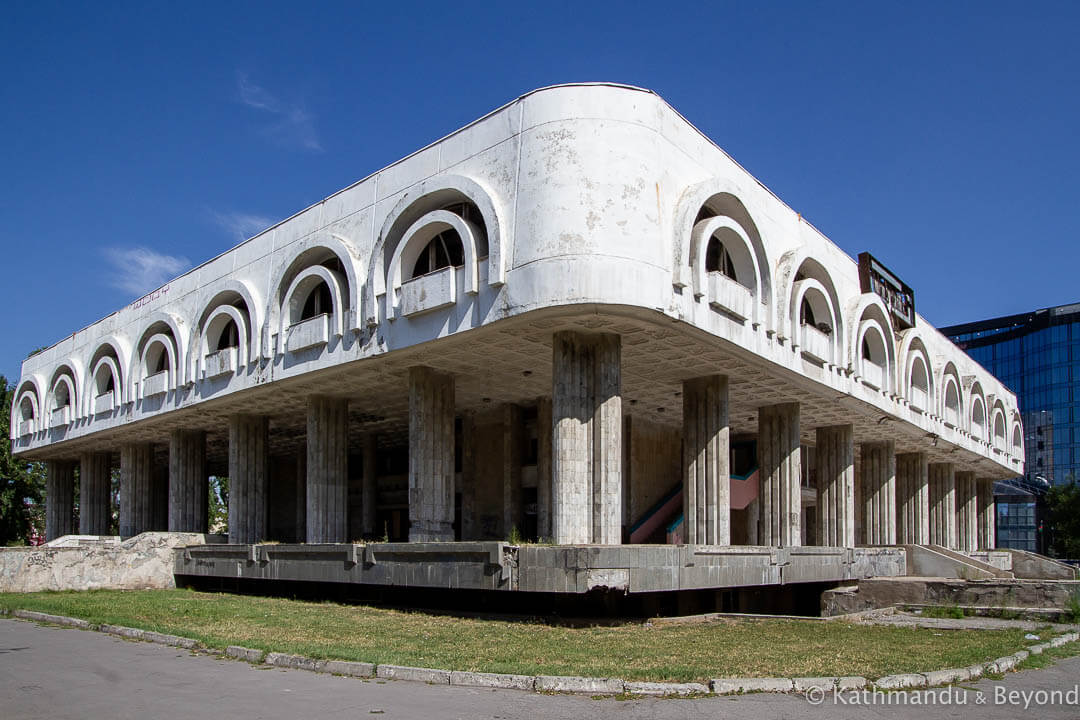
<point>943,505</point>
<point>249,477</point>
<point>967,513</point>
<point>912,499</point>
<point>431,455</point>
<point>95,486</point>
<point>512,441</point>
<point>987,514</point>
<point>59,498</point>
<point>136,493</point>
<point>543,467</point>
<point>327,470</point>
<point>301,492</point>
<point>469,526</point>
<point>706,461</point>
<point>780,470</point>
<point>587,432</point>
<point>187,481</point>
<point>878,469</point>
<point>370,492</point>
<point>836,486</point>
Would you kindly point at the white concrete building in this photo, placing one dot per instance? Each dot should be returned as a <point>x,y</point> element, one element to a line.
<point>577,317</point>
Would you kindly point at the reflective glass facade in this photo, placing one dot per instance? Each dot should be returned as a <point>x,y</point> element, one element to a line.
<point>1037,355</point>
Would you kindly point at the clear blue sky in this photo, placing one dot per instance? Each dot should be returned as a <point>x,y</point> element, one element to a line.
<point>142,139</point>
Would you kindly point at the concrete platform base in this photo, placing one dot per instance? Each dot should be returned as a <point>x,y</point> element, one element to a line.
<point>541,568</point>
<point>876,593</point>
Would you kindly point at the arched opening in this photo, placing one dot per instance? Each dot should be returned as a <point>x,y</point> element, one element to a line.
<point>718,259</point>
<point>999,431</point>
<point>815,329</point>
<point>873,357</point>
<point>723,260</point>
<point>978,418</point>
<point>318,302</point>
<point>62,399</point>
<point>159,367</point>
<point>27,415</point>
<point>1017,440</point>
<point>919,384</point>
<point>952,402</point>
<point>105,384</point>
<point>443,251</point>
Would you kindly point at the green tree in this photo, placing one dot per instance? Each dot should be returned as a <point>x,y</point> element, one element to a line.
<point>22,484</point>
<point>1063,519</point>
<point>218,504</point>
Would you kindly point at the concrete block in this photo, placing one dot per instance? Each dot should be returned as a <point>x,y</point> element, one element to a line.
<point>163,639</point>
<point>352,669</point>
<point>1038,649</point>
<point>296,662</point>
<point>664,689</point>
<point>242,653</point>
<point>54,619</point>
<point>1021,656</point>
<point>947,677</point>
<point>851,683</point>
<point>975,671</point>
<point>492,680</point>
<point>402,672</point>
<point>1001,665</point>
<point>130,633</point>
<point>572,684</point>
<point>899,682</point>
<point>724,686</point>
<point>801,685</point>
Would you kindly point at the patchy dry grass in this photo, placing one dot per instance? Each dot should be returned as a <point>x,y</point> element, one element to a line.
<point>675,653</point>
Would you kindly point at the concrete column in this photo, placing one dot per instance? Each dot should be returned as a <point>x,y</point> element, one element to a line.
<point>370,492</point>
<point>327,469</point>
<point>431,455</point>
<point>967,513</point>
<point>59,498</point>
<point>512,440</point>
<point>543,467</point>
<point>469,528</point>
<point>943,504</point>
<point>95,487</point>
<point>836,486</point>
<point>187,481</point>
<point>586,439</point>
<point>249,478</point>
<point>706,461</point>
<point>301,492</point>
<point>136,501</point>
<point>879,492</point>
<point>912,499</point>
<point>987,514</point>
<point>779,460</point>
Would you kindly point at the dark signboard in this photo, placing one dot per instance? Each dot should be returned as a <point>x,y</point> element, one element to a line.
<point>899,298</point>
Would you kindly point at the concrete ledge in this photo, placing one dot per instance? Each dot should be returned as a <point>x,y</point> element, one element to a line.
<point>149,636</point>
<point>975,671</point>
<point>725,686</point>
<point>54,619</point>
<point>664,689</point>
<point>297,662</point>
<point>243,653</point>
<point>492,680</point>
<point>573,684</point>
<point>900,682</point>
<point>346,667</point>
<point>1002,664</point>
<point>851,683</point>
<point>801,685</point>
<point>947,677</point>
<point>403,672</point>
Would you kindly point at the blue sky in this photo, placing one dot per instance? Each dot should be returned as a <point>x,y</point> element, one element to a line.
<point>141,139</point>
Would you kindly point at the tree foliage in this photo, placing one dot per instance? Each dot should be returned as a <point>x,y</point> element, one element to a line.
<point>1063,520</point>
<point>22,484</point>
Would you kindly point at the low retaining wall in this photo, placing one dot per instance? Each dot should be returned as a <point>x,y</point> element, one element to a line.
<point>143,562</point>
<point>875,593</point>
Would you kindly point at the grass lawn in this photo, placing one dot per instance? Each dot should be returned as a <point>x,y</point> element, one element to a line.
<point>674,653</point>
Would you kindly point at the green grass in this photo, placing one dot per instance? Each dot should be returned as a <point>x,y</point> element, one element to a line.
<point>633,651</point>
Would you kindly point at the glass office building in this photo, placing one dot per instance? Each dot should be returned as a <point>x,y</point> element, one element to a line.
<point>1037,355</point>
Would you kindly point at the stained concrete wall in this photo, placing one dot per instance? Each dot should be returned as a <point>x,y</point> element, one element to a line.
<point>140,563</point>
<point>655,464</point>
<point>877,593</point>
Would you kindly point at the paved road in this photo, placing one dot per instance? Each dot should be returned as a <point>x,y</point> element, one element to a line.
<point>49,672</point>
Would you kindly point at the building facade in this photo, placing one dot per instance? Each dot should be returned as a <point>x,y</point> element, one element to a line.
<point>575,319</point>
<point>1038,355</point>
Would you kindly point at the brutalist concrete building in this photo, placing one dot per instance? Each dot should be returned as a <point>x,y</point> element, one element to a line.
<point>575,320</point>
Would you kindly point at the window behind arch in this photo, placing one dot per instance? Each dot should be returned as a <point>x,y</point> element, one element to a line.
<point>229,337</point>
<point>318,302</point>
<point>442,251</point>
<point>806,313</point>
<point>718,259</point>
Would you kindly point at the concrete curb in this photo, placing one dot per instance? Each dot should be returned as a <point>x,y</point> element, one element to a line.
<point>566,683</point>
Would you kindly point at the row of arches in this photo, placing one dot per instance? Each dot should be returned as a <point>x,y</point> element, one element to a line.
<point>726,265</point>
<point>448,228</point>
